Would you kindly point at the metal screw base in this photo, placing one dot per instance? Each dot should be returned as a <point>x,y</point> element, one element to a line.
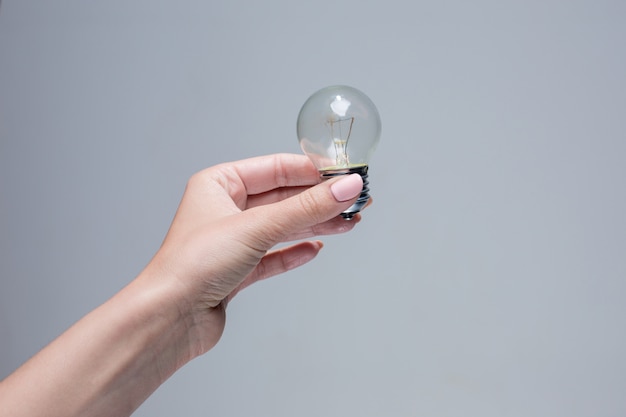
<point>363,197</point>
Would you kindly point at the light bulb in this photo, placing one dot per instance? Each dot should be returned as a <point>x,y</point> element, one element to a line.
<point>338,129</point>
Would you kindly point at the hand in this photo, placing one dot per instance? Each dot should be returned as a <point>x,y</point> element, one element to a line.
<point>231,215</point>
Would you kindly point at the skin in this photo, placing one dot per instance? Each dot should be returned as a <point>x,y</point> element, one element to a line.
<point>220,241</point>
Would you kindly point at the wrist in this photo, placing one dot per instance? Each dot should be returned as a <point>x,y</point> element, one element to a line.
<point>185,321</point>
<point>110,361</point>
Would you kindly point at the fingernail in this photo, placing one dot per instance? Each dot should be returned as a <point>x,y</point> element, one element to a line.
<point>348,187</point>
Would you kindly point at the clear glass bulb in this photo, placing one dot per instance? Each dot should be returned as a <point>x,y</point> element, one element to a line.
<point>338,129</point>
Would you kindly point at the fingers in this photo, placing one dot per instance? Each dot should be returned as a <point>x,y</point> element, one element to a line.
<point>280,194</point>
<point>334,226</point>
<point>265,173</point>
<point>273,196</point>
<point>279,261</point>
<point>302,213</point>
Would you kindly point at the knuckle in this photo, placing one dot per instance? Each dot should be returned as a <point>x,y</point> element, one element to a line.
<point>194,180</point>
<point>199,179</point>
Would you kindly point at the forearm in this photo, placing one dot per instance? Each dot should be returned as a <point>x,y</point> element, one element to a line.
<point>109,362</point>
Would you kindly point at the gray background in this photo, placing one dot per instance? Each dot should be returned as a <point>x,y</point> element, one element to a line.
<point>488,279</point>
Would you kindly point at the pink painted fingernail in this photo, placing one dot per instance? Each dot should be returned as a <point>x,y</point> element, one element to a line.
<point>348,187</point>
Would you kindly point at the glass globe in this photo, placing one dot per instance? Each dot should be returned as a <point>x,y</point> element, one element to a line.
<point>338,129</point>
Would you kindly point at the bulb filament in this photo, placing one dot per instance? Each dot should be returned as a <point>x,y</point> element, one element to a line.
<point>340,131</point>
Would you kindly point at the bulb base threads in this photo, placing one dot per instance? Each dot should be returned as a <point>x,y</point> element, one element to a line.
<point>363,197</point>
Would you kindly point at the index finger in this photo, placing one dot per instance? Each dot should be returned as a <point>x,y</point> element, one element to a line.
<point>264,173</point>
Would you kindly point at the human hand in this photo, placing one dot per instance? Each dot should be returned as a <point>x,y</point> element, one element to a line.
<point>229,218</point>
<point>219,242</point>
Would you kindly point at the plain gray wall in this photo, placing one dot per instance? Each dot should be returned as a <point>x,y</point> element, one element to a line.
<point>489,277</point>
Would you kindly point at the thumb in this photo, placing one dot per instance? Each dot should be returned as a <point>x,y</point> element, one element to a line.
<point>313,206</point>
